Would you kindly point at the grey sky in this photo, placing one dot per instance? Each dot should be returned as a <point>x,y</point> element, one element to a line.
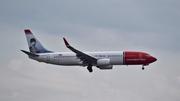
<point>152,26</point>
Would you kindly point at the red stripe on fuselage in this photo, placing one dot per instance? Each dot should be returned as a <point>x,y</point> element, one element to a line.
<point>134,58</point>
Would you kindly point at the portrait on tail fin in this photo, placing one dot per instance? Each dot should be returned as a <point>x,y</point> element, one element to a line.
<point>32,47</point>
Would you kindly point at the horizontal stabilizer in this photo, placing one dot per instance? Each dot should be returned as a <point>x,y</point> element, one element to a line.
<point>29,53</point>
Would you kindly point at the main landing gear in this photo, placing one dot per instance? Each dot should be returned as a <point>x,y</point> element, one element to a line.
<point>90,68</point>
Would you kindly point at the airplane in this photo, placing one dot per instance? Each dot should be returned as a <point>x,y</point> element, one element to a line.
<point>102,60</point>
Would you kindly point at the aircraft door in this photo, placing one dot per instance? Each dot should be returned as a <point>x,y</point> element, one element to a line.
<point>47,57</point>
<point>140,56</point>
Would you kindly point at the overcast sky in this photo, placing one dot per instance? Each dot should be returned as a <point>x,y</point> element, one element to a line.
<point>151,26</point>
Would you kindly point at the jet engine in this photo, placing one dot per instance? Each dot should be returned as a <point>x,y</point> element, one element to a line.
<point>105,67</point>
<point>103,62</point>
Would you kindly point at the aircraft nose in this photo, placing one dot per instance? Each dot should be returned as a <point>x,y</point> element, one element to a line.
<point>154,59</point>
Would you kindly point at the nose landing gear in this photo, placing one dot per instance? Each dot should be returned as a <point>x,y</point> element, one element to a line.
<point>142,67</point>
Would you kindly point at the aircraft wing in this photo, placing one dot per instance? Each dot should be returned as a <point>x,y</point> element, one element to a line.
<point>87,59</point>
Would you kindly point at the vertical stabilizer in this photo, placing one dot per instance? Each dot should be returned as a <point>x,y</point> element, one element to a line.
<point>34,45</point>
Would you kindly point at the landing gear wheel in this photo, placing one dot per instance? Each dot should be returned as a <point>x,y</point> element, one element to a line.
<point>90,68</point>
<point>142,68</point>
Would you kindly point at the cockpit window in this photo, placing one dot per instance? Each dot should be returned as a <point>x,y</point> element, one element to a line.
<point>147,55</point>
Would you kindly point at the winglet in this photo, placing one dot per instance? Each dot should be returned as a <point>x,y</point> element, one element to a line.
<point>66,43</point>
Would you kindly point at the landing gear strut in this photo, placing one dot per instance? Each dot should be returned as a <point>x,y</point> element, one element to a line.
<point>142,67</point>
<point>90,68</point>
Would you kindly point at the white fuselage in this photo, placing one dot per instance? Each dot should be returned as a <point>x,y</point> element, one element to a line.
<point>69,58</point>
<point>102,60</point>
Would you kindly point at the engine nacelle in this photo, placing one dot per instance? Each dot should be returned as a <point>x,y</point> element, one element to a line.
<point>103,62</point>
<point>105,67</point>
